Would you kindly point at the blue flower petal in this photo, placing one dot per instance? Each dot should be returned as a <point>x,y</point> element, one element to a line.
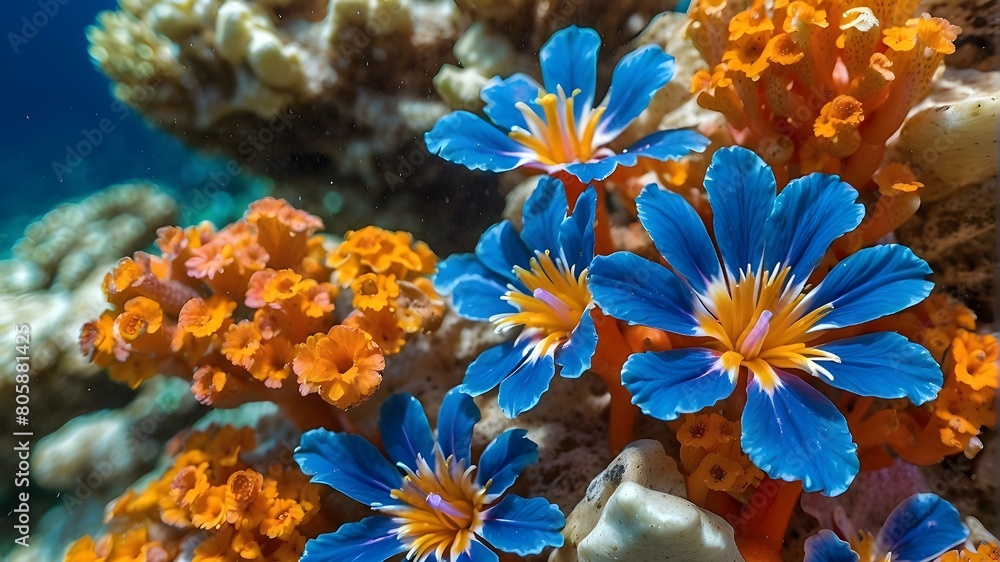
<point>825,546</point>
<point>576,233</point>
<point>883,365</point>
<point>639,291</point>
<point>348,463</point>
<point>575,355</point>
<point>501,96</point>
<point>373,539</point>
<point>455,268</point>
<point>680,236</point>
<point>920,529</point>
<point>478,298</point>
<point>660,146</point>
<point>543,213</point>
<point>478,552</point>
<point>405,430</point>
<point>638,76</point>
<point>524,387</point>
<point>523,526</point>
<point>796,433</point>
<point>870,284</point>
<point>456,419</point>
<point>569,59</point>
<point>466,139</point>
<point>741,190</point>
<point>491,367</point>
<point>504,458</point>
<point>666,384</point>
<point>809,214</point>
<point>500,248</point>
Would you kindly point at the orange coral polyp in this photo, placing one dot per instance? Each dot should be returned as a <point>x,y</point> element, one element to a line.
<point>900,39</point>
<point>975,360</point>
<point>202,318</point>
<point>896,178</point>
<point>935,33</point>
<point>344,366</point>
<point>241,343</point>
<point>374,292</point>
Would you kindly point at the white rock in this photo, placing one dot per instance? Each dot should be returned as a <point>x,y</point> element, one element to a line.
<point>640,524</point>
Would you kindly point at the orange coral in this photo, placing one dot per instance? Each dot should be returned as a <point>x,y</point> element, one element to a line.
<point>228,309</point>
<point>344,366</point>
<point>712,458</point>
<point>952,422</point>
<point>374,250</point>
<point>211,495</point>
<point>812,86</point>
<point>987,552</point>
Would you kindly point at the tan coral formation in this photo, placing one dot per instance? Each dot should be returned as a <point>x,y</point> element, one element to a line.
<point>53,282</point>
<point>950,142</point>
<point>53,285</point>
<point>321,92</point>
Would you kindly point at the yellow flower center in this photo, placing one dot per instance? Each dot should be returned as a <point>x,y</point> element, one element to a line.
<point>760,323</point>
<point>556,300</point>
<point>441,511</point>
<point>555,135</point>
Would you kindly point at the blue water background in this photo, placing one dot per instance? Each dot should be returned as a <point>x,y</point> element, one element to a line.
<point>54,101</point>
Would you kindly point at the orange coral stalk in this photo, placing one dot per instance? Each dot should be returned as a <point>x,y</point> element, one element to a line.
<point>760,531</point>
<point>612,351</point>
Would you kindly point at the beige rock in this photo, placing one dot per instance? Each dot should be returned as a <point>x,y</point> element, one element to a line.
<point>950,139</point>
<point>642,462</point>
<point>640,525</point>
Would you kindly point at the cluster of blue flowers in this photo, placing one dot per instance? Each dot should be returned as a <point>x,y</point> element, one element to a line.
<point>743,290</point>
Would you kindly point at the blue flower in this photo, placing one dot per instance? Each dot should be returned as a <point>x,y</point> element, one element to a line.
<point>919,530</point>
<point>557,127</point>
<point>534,281</point>
<point>752,308</point>
<point>437,505</point>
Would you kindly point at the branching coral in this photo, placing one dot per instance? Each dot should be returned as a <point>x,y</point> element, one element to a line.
<point>953,421</point>
<point>816,86</point>
<point>237,311</point>
<point>213,501</point>
<point>712,458</point>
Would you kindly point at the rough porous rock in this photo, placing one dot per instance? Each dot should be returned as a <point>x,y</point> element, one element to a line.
<point>57,270</point>
<point>642,462</point>
<point>643,525</point>
<point>108,448</point>
<point>335,95</point>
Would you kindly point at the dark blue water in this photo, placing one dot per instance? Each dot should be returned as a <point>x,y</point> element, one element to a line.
<point>53,104</point>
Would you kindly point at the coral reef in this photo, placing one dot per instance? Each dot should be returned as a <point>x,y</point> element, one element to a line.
<point>314,92</point>
<point>246,508</point>
<point>734,295</point>
<point>52,283</point>
<point>237,311</point>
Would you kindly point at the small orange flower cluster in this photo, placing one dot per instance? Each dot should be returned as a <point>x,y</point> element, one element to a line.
<point>236,311</point>
<point>816,85</point>
<point>712,458</point>
<point>986,552</point>
<point>952,422</point>
<point>212,493</point>
<point>387,273</point>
